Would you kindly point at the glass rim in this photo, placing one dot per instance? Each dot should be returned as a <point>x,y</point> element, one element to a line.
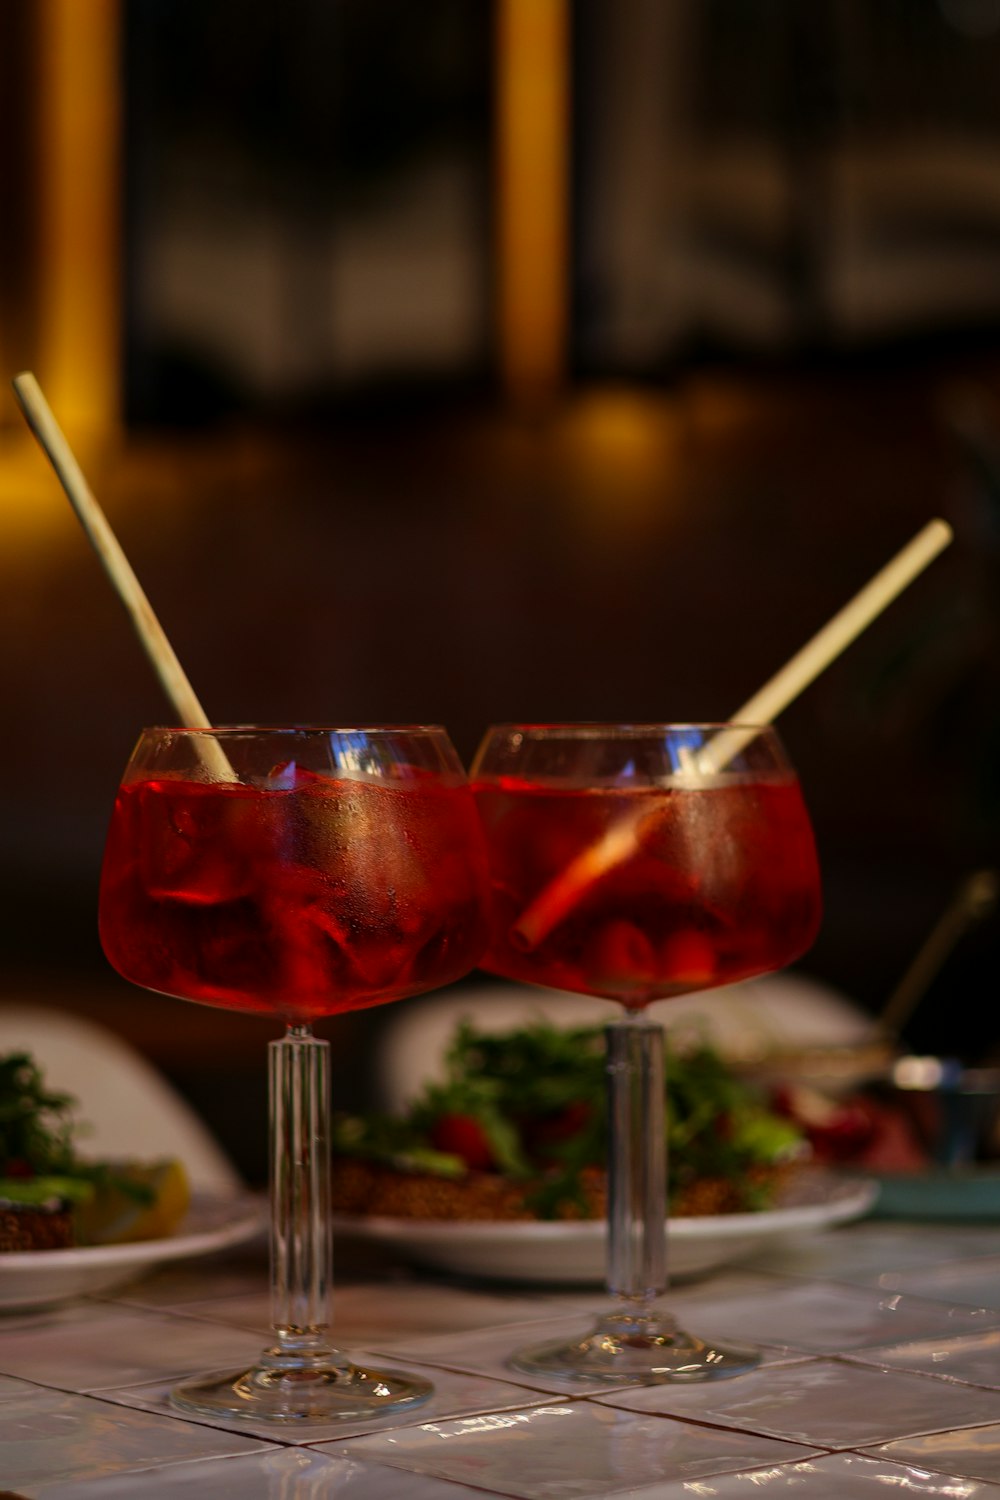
<point>231,730</point>
<point>584,728</point>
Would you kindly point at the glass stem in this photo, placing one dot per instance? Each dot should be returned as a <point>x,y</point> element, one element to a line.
<point>301,1258</point>
<point>637,1164</point>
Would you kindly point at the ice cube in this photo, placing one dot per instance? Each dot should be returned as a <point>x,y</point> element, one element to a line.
<point>194,847</point>
<point>282,777</point>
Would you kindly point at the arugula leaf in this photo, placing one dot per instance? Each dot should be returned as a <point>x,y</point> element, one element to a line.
<point>32,1192</point>
<point>538,1094</point>
<point>35,1124</point>
<point>38,1133</point>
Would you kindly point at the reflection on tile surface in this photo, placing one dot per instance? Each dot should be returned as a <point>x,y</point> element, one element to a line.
<point>841,1476</point>
<point>118,1346</point>
<point>49,1436</point>
<point>860,1253</point>
<point>963,1283</point>
<point>822,1402</point>
<point>364,1314</point>
<point>194,1281</point>
<point>289,1475</point>
<point>974,1358</point>
<point>11,1388</point>
<point>723,1283</point>
<point>578,1449</point>
<point>974,1453</point>
<point>829,1319</point>
<point>455,1394</point>
<point>487,1351</point>
<point>889,1342</point>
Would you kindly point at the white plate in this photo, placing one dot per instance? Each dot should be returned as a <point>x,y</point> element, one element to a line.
<point>573,1253</point>
<point>38,1278</point>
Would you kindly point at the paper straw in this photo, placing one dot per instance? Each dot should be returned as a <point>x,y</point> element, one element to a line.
<point>171,674</point>
<point>559,897</point>
<point>826,645</point>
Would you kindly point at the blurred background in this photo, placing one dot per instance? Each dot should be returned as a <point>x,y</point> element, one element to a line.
<point>490,359</point>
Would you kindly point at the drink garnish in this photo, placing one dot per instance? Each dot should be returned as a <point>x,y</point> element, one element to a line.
<point>559,898</point>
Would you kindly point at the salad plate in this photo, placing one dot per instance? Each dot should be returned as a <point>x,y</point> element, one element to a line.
<point>573,1252</point>
<point>40,1278</point>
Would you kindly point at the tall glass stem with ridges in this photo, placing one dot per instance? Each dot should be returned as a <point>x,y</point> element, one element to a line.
<point>301,1262</point>
<point>637,1162</point>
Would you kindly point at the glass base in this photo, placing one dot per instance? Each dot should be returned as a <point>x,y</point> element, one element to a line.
<point>327,1389</point>
<point>645,1349</point>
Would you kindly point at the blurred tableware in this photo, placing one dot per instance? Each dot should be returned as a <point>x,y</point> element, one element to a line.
<point>123,1103</point>
<point>756,1026</point>
<point>33,1278</point>
<point>574,1252</point>
<point>951,1108</point>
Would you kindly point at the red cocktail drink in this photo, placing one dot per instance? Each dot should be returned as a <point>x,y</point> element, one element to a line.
<point>638,862</point>
<point>699,887</point>
<point>295,872</point>
<point>302,899</point>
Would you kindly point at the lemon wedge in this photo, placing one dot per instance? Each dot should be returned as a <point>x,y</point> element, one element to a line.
<point>112,1216</point>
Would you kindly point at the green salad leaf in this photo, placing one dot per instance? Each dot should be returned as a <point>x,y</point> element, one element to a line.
<point>38,1150</point>
<point>36,1127</point>
<point>530,1104</point>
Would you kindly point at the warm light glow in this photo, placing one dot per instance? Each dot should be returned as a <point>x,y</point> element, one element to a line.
<point>78,117</point>
<point>73,344</point>
<point>619,451</point>
<point>31,509</point>
<point>622,426</point>
<point>532,194</point>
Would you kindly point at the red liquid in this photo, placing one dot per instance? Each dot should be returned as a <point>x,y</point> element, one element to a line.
<point>705,887</point>
<point>303,902</point>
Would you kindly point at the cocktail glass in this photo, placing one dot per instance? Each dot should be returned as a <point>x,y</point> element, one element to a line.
<point>295,873</point>
<point>637,863</point>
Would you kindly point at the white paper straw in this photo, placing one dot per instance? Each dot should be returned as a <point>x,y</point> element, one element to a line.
<point>826,645</point>
<point>173,678</point>
<point>559,897</point>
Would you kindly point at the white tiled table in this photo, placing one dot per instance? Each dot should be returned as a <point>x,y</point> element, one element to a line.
<point>881,1375</point>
